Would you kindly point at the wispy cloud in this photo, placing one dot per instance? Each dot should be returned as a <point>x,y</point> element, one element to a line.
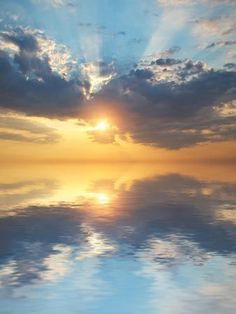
<point>14,128</point>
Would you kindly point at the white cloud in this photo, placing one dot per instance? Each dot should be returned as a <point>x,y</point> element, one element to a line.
<point>53,3</point>
<point>218,26</point>
<point>58,264</point>
<point>59,56</point>
<point>194,2</point>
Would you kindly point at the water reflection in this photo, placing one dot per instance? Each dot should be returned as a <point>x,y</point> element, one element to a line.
<point>118,239</point>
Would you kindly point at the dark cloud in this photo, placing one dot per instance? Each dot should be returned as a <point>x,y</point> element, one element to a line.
<point>123,33</point>
<point>25,42</point>
<point>170,52</point>
<point>230,65</point>
<point>191,68</point>
<point>106,69</point>
<point>172,99</point>
<point>137,40</point>
<point>82,24</point>
<point>72,5</point>
<point>28,83</point>
<point>221,44</point>
<point>166,62</point>
<point>167,102</point>
<point>174,114</point>
<point>142,74</point>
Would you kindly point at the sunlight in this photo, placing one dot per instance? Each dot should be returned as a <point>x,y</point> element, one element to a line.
<point>118,156</point>
<point>102,198</point>
<point>102,126</point>
<point>96,244</point>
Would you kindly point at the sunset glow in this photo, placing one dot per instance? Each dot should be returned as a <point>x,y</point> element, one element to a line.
<point>102,198</point>
<point>102,126</point>
<point>117,156</point>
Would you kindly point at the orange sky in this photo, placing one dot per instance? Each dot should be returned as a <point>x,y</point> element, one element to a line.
<point>75,144</point>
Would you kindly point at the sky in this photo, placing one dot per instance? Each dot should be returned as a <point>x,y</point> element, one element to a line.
<point>117,80</point>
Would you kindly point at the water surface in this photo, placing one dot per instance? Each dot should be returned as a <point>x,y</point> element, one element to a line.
<point>117,239</point>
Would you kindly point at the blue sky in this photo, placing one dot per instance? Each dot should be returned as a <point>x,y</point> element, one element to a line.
<point>129,31</point>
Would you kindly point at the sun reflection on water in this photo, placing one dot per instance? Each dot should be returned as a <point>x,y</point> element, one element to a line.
<point>96,234</point>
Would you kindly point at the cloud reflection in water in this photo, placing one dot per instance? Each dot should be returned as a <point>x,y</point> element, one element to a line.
<point>161,244</point>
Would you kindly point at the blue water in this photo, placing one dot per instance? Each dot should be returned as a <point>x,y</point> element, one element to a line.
<point>164,244</point>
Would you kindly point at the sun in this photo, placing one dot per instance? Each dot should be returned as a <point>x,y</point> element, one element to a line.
<point>102,198</point>
<point>102,125</point>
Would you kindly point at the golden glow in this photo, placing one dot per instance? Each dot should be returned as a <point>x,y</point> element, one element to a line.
<point>226,214</point>
<point>93,188</point>
<point>52,140</point>
<point>95,184</point>
<point>102,126</point>
<point>103,198</point>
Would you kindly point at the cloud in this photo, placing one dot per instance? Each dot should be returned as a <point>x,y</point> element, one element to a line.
<point>176,2</point>
<point>194,2</point>
<point>230,65</point>
<point>230,30</point>
<point>165,102</point>
<point>29,84</point>
<point>35,43</point>
<point>22,138</point>
<point>159,111</point>
<point>215,26</point>
<point>170,52</point>
<point>25,42</point>
<point>98,73</point>
<point>166,62</point>
<point>24,193</point>
<point>25,130</point>
<point>221,44</point>
<point>55,3</point>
